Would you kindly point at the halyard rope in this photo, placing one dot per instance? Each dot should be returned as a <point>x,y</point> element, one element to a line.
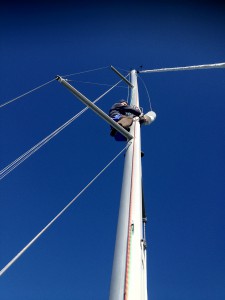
<point>149,99</point>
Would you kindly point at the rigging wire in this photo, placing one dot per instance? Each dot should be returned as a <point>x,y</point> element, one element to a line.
<point>149,99</point>
<point>118,68</point>
<point>27,154</point>
<point>61,212</point>
<point>88,71</point>
<point>96,83</point>
<point>14,99</point>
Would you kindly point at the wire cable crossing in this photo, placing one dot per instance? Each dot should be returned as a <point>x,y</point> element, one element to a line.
<point>60,213</point>
<point>27,154</point>
<point>14,99</point>
<point>38,87</point>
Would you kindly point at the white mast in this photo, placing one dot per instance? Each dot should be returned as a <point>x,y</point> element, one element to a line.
<point>129,276</point>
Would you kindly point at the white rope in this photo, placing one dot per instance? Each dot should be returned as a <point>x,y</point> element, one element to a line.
<point>209,66</point>
<point>149,99</point>
<point>27,154</point>
<point>88,71</point>
<point>14,99</point>
<point>60,213</point>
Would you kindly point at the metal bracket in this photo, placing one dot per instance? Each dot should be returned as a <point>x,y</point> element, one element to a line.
<point>122,77</point>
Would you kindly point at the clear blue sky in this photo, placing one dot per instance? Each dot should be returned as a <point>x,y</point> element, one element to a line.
<point>183,166</point>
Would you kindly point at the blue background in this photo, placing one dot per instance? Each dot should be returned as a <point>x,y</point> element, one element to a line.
<point>183,166</point>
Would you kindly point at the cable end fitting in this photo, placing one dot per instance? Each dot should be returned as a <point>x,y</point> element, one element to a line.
<point>59,78</point>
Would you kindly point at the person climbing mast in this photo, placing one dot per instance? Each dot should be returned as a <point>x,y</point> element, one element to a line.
<point>122,113</point>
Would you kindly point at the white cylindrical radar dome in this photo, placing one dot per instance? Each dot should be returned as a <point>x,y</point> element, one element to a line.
<point>150,117</point>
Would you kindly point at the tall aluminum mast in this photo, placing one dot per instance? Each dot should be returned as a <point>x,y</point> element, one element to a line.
<point>129,274</point>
